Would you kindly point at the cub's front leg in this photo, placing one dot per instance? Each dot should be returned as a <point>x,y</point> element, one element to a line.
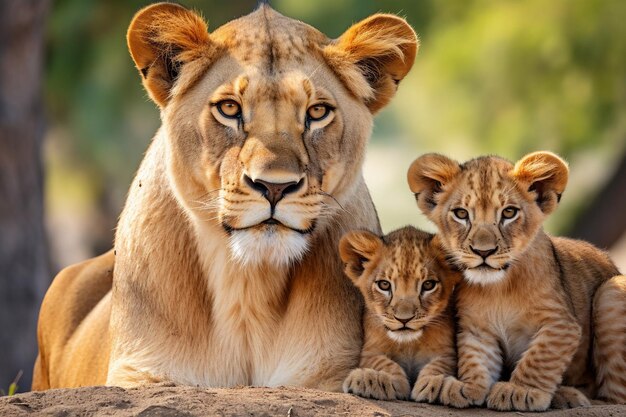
<point>431,378</point>
<point>540,370</point>
<point>378,377</point>
<point>479,366</point>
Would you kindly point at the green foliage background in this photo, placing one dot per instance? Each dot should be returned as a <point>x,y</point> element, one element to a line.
<point>492,76</point>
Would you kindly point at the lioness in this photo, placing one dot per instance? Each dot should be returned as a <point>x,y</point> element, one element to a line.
<point>225,269</point>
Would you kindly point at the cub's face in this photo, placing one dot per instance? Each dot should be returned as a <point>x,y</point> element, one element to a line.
<point>488,211</point>
<point>402,277</point>
<point>266,118</point>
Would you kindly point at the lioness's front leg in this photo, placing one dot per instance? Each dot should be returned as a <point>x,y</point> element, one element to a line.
<point>378,377</point>
<point>540,370</point>
<point>128,376</point>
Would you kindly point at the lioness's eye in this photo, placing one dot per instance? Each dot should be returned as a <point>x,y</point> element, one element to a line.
<point>229,108</point>
<point>509,212</point>
<point>384,285</point>
<point>461,213</point>
<point>318,112</point>
<point>428,285</point>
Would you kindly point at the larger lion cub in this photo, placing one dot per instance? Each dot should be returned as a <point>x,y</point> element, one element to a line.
<point>408,323</point>
<point>540,314</point>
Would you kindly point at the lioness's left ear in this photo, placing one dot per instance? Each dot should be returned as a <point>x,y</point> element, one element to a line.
<point>359,250</point>
<point>545,174</point>
<point>161,39</point>
<point>373,56</point>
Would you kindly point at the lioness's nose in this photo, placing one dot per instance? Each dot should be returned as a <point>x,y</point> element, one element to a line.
<point>274,192</point>
<point>484,253</point>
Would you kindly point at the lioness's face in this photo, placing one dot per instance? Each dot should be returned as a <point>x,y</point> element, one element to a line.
<point>266,132</point>
<point>273,144</point>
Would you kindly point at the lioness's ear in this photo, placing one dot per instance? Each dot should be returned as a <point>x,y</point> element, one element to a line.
<point>545,174</point>
<point>427,175</point>
<point>359,250</point>
<point>373,56</point>
<point>161,38</point>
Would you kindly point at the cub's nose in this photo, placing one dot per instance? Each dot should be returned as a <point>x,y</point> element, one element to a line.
<point>404,320</point>
<point>274,192</point>
<point>484,253</point>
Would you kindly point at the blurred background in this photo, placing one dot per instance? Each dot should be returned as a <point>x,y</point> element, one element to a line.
<point>491,77</point>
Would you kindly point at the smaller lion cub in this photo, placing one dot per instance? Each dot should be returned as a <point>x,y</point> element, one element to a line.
<point>408,322</point>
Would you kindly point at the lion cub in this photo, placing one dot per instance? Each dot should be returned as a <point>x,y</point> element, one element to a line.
<point>538,315</point>
<point>408,324</point>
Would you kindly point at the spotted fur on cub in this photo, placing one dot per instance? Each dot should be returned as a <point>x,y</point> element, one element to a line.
<point>408,323</point>
<point>541,318</point>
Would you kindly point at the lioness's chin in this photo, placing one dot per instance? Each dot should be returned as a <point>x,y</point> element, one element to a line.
<point>484,276</point>
<point>271,245</point>
<point>404,336</point>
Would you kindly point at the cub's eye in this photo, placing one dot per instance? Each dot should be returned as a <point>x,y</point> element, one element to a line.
<point>384,285</point>
<point>429,285</point>
<point>509,212</point>
<point>229,108</point>
<point>318,112</point>
<point>461,213</point>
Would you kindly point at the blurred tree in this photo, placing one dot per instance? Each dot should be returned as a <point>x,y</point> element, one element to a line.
<point>24,271</point>
<point>603,219</point>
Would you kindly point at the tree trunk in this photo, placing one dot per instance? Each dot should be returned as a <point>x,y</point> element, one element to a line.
<point>24,266</point>
<point>603,222</point>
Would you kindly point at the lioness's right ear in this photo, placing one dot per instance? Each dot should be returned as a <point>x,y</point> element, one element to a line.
<point>360,251</point>
<point>427,175</point>
<point>373,56</point>
<point>161,38</point>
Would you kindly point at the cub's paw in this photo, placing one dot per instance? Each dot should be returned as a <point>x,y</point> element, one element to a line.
<point>379,385</point>
<point>460,394</point>
<point>427,388</point>
<point>505,396</point>
<point>569,397</point>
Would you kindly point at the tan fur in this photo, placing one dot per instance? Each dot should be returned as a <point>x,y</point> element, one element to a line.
<point>204,291</point>
<point>543,315</point>
<point>422,354</point>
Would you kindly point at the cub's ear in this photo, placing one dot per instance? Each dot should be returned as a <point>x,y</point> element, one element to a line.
<point>373,56</point>
<point>161,38</point>
<point>427,176</point>
<point>545,174</point>
<point>360,251</point>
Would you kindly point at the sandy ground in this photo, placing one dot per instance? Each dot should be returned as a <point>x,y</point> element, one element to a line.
<point>171,401</point>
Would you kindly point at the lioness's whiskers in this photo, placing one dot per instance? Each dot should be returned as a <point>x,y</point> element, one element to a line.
<point>324,193</point>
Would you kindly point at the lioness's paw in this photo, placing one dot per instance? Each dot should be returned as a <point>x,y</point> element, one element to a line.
<point>569,397</point>
<point>379,385</point>
<point>460,394</point>
<point>506,396</point>
<point>427,388</point>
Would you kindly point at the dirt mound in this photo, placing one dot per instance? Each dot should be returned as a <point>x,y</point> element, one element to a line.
<point>171,401</point>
